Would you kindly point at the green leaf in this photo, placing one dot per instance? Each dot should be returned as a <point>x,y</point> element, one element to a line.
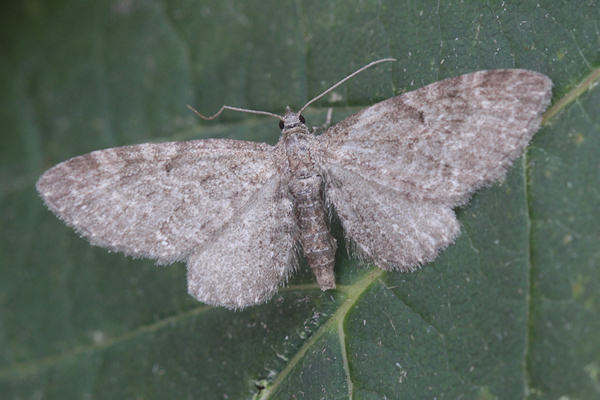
<point>510,311</point>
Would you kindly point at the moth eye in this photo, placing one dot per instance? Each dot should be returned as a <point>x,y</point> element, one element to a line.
<point>302,118</point>
<point>280,124</point>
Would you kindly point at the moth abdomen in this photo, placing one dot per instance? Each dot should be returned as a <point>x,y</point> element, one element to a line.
<point>317,243</point>
<point>305,186</point>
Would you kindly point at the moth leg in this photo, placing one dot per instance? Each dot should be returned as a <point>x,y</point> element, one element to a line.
<point>325,125</point>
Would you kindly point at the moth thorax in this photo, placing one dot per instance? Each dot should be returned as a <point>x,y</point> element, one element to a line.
<point>297,146</point>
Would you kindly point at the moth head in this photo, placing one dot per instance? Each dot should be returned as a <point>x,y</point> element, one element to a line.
<point>291,119</point>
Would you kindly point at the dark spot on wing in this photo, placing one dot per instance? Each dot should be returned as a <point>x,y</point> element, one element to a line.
<point>496,78</point>
<point>86,162</point>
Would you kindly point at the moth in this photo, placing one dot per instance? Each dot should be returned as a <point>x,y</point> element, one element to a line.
<point>236,211</point>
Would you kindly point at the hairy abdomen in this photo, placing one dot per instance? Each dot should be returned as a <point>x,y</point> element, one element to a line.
<point>318,244</point>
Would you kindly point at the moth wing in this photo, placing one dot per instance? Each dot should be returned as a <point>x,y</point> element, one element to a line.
<point>445,140</point>
<point>252,255</point>
<point>395,170</point>
<point>389,230</point>
<point>159,200</point>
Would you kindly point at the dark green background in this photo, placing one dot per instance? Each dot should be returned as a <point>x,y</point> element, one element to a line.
<point>510,311</point>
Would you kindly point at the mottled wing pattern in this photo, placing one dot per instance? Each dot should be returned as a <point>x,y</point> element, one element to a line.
<point>395,170</point>
<point>252,255</point>
<point>161,200</point>
<point>388,229</point>
<point>445,140</point>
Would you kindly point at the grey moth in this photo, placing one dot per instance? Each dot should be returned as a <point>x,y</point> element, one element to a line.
<point>236,212</point>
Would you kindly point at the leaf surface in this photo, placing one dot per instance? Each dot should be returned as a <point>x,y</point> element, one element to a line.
<point>510,311</point>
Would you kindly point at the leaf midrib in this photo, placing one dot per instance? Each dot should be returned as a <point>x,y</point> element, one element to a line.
<point>353,293</point>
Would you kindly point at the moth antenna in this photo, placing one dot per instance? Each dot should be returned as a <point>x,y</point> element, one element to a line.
<point>358,71</point>
<point>215,115</point>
